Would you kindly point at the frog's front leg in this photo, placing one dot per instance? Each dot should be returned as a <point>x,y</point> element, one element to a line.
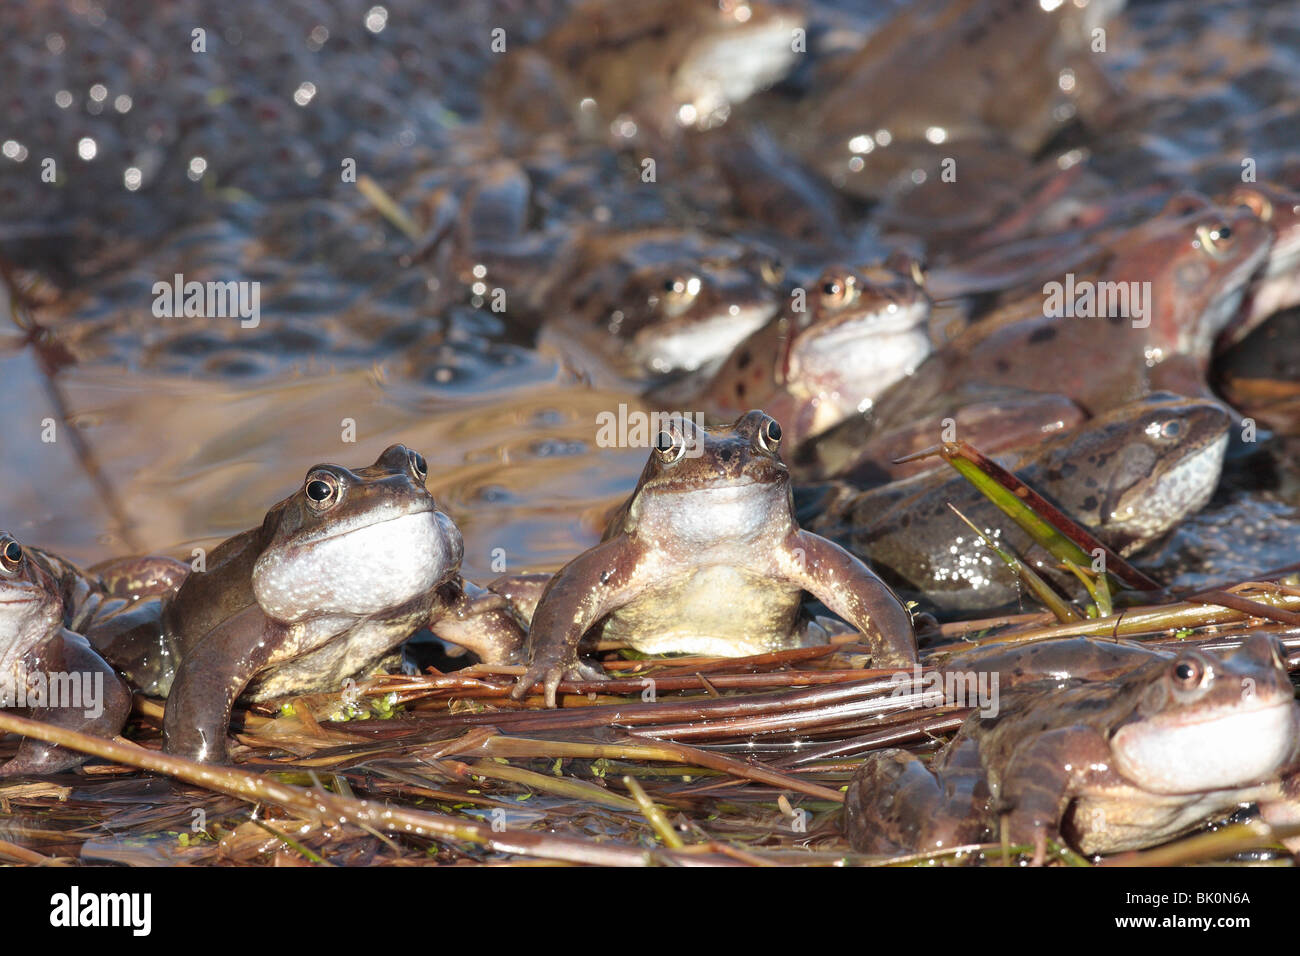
<point>484,622</point>
<point>98,702</point>
<point>209,680</point>
<point>1041,779</point>
<point>581,593</point>
<point>853,591</point>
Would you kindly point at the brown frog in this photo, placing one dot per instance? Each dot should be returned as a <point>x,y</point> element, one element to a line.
<point>975,78</point>
<point>623,72</point>
<point>856,332</point>
<point>47,668</point>
<point>1183,277</point>
<point>1168,744</point>
<point>651,303</point>
<point>706,557</point>
<point>1128,476</point>
<point>1277,285</point>
<point>336,577</point>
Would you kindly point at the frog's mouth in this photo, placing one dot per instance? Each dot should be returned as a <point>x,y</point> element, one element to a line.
<point>702,342</point>
<point>1215,752</point>
<point>1182,490</point>
<point>339,532</point>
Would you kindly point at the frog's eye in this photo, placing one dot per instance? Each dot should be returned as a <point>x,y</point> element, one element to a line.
<point>769,436</point>
<point>670,444</point>
<point>11,556</point>
<point>839,290</point>
<point>419,465</point>
<point>321,489</point>
<point>1171,429</point>
<point>1215,239</point>
<point>677,294</point>
<point>1187,673</point>
<point>772,271</point>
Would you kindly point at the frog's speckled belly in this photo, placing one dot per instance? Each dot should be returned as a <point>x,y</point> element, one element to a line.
<point>719,611</point>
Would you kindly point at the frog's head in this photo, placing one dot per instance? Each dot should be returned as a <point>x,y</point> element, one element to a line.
<point>738,48</point>
<point>1199,258</point>
<point>695,313</point>
<point>713,483</point>
<point>30,603</point>
<point>866,329</point>
<point>1277,285</point>
<point>1279,209</point>
<point>356,542</point>
<point>1152,462</point>
<point>1204,721</point>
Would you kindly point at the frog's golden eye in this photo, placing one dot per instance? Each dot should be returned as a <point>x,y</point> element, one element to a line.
<point>1215,239</point>
<point>670,444</point>
<point>321,489</point>
<point>839,290</point>
<point>682,285</point>
<point>769,436</point>
<point>678,292</point>
<point>11,556</point>
<point>419,465</point>
<point>1187,673</point>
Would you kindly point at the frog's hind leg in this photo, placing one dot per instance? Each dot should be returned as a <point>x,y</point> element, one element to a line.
<point>895,804</point>
<point>83,693</point>
<point>486,623</point>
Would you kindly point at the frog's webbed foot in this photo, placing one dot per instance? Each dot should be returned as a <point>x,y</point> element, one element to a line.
<point>485,623</point>
<point>585,590</point>
<point>895,804</point>
<point>100,704</point>
<point>1034,834</point>
<point>550,673</point>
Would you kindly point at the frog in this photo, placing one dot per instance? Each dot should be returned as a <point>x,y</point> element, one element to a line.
<point>647,74</point>
<point>1197,258</point>
<point>1277,285</point>
<point>828,355</point>
<point>1128,476</point>
<point>1261,373</point>
<point>1166,745</point>
<point>985,81</point>
<point>36,597</point>
<point>997,421</point>
<point>705,557</point>
<point>335,578</point>
<point>634,308</point>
